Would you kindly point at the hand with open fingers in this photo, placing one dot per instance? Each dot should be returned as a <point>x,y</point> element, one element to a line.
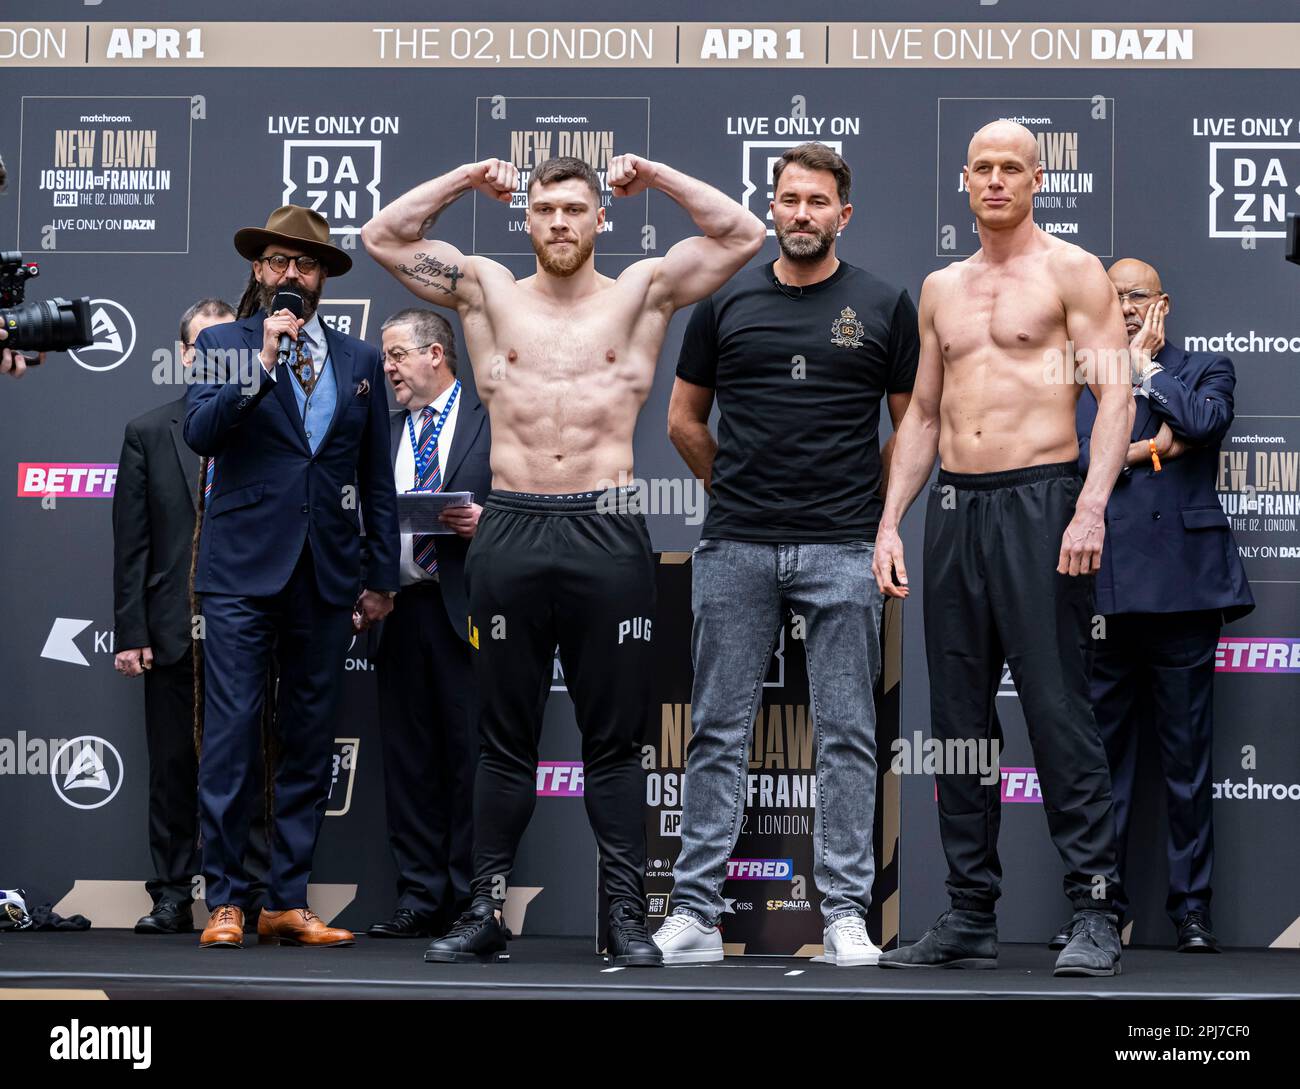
<point>1148,340</point>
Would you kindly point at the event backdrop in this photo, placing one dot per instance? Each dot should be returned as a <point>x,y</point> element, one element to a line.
<point>136,147</point>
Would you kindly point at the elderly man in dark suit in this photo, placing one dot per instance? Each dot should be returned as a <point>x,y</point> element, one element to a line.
<point>154,507</point>
<point>440,441</point>
<point>1170,578</point>
<point>299,429</point>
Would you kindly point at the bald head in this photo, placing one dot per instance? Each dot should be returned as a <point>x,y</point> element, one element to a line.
<point>1003,136</point>
<point>1129,274</point>
<point>1138,286</point>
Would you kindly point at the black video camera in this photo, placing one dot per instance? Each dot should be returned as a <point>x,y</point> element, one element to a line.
<point>50,325</point>
<point>1293,238</point>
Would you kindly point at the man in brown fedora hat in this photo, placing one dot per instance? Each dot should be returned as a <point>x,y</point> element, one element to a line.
<point>300,442</point>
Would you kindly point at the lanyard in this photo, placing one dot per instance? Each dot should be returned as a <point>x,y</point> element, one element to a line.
<point>422,462</point>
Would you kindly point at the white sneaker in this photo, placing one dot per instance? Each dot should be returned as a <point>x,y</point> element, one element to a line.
<point>846,943</point>
<point>683,939</point>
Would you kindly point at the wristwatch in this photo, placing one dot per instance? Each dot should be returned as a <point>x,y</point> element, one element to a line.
<point>1145,375</point>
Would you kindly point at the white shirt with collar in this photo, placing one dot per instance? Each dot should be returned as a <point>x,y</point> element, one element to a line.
<point>404,474</point>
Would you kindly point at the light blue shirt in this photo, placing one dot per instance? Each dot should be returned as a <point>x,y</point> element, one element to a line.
<point>318,410</point>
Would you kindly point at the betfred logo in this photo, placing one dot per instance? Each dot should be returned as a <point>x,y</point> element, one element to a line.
<point>1257,656</point>
<point>559,779</point>
<point>1021,785</point>
<point>760,869</point>
<point>66,479</point>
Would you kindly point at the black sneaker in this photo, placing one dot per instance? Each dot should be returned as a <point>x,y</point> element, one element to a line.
<point>475,936</point>
<point>1094,947</point>
<point>627,942</point>
<point>1195,935</point>
<point>167,917</point>
<point>959,939</point>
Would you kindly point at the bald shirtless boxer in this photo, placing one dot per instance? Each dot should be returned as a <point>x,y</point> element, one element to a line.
<point>563,359</point>
<point>1012,536</point>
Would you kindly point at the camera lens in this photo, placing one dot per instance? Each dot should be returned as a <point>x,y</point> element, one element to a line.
<point>48,325</point>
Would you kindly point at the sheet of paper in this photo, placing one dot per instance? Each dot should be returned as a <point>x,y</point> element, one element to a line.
<point>417,512</point>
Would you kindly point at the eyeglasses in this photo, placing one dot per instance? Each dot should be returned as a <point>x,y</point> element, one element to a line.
<point>280,262</point>
<point>1138,297</point>
<point>398,355</point>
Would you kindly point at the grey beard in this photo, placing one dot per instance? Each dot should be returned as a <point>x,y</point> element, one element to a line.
<point>805,249</point>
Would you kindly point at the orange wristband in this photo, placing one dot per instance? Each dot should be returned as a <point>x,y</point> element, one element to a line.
<point>1155,457</point>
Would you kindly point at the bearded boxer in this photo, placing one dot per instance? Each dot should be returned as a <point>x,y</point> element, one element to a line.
<point>563,359</point>
<point>1012,538</point>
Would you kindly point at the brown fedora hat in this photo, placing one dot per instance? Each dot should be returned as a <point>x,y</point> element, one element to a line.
<point>300,228</point>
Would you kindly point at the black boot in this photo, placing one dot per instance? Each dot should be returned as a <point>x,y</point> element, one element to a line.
<point>475,936</point>
<point>167,917</point>
<point>959,939</point>
<point>627,942</point>
<point>1094,947</point>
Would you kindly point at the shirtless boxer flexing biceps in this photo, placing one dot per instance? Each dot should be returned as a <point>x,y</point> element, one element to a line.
<point>563,360</point>
<point>1012,536</point>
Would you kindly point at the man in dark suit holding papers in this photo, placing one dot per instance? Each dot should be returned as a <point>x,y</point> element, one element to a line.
<point>441,441</point>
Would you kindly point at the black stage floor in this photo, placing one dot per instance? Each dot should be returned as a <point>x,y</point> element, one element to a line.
<point>123,965</point>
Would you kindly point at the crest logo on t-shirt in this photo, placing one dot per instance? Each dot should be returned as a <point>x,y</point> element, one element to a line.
<point>846,330</point>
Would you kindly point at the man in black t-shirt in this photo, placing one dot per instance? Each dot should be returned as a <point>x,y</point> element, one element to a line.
<point>799,354</point>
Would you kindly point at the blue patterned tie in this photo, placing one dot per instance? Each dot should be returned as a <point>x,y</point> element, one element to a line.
<point>304,367</point>
<point>208,476</point>
<point>422,545</point>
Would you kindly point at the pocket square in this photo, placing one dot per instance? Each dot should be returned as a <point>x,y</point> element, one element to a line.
<point>363,389</point>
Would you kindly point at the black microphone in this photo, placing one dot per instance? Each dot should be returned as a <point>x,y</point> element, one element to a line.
<point>292,302</point>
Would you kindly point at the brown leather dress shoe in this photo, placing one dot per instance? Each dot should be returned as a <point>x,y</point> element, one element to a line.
<point>298,926</point>
<point>225,928</point>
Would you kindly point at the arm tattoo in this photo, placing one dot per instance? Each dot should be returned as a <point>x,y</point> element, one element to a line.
<point>426,270</point>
